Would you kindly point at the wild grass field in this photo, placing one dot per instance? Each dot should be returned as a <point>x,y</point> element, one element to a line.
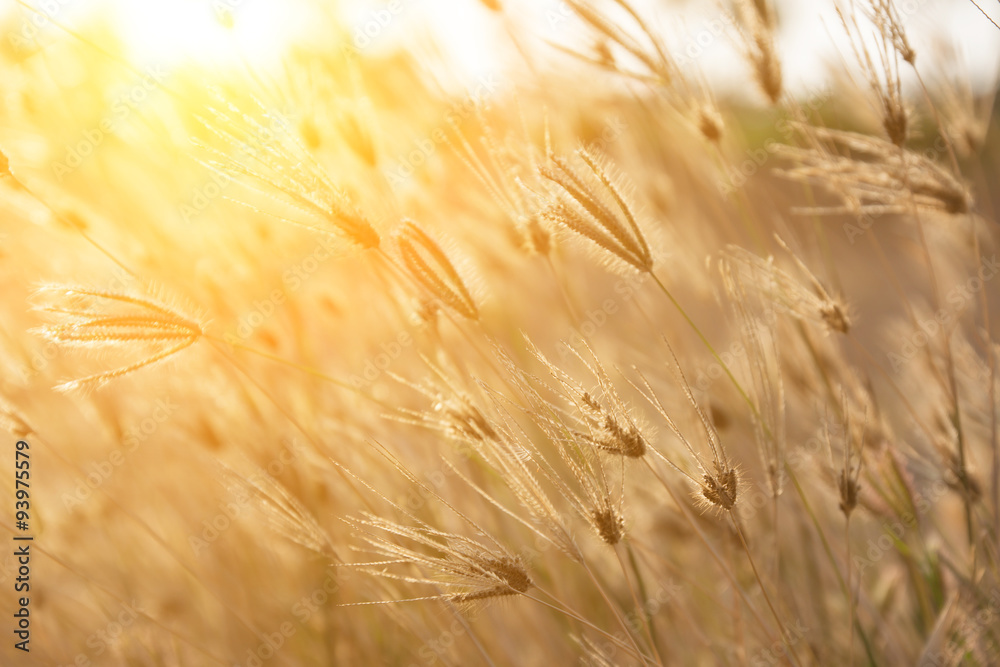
<point>612,355</point>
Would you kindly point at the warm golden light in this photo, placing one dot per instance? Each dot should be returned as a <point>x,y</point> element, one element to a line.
<point>499,332</point>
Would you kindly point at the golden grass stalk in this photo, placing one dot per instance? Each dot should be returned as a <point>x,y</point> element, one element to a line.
<point>757,33</point>
<point>94,319</point>
<point>268,160</point>
<point>885,16</point>
<point>653,55</point>
<point>471,571</point>
<point>719,484</point>
<point>429,266</point>
<point>507,169</point>
<point>872,177</point>
<point>746,274</point>
<point>591,204</point>
<point>281,511</point>
<point>882,74</point>
<point>757,323</point>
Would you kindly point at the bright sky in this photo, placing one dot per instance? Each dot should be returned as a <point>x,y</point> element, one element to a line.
<point>475,42</point>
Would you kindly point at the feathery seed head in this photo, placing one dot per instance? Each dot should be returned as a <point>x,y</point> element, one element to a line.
<point>592,205</point>
<point>885,16</point>
<point>627,441</point>
<point>960,479</point>
<point>96,318</point>
<point>895,123</point>
<point>835,316</point>
<point>429,266</point>
<point>354,225</point>
<point>509,571</point>
<point>538,238</point>
<point>721,488</point>
<point>261,152</point>
<point>745,272</point>
<point>849,488</point>
<point>483,573</point>
<point>872,176</point>
<point>883,73</point>
<point>709,123</point>
<point>464,419</point>
<point>608,523</point>
<point>758,45</point>
<point>357,135</point>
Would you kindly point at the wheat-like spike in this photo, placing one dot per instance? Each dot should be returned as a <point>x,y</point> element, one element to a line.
<point>883,76</point>
<point>757,33</point>
<point>481,573</point>
<point>104,318</point>
<point>848,483</point>
<point>720,482</point>
<point>874,177</point>
<point>577,206</point>
<point>746,271</point>
<point>99,379</point>
<point>585,486</point>
<point>431,268</point>
<point>764,363</point>
<point>285,166</point>
<point>623,206</point>
<point>282,511</point>
<point>589,200</point>
<point>454,412</point>
<point>885,16</point>
<point>611,429</point>
<point>661,68</point>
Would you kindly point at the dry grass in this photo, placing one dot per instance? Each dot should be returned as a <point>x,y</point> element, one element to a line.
<point>541,376</point>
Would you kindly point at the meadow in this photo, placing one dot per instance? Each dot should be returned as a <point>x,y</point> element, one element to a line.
<point>592,359</point>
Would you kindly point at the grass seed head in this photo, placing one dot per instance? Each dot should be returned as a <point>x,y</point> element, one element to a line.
<point>591,204</point>
<point>849,488</point>
<point>429,266</point>
<point>92,318</point>
<point>608,523</point>
<point>721,488</point>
